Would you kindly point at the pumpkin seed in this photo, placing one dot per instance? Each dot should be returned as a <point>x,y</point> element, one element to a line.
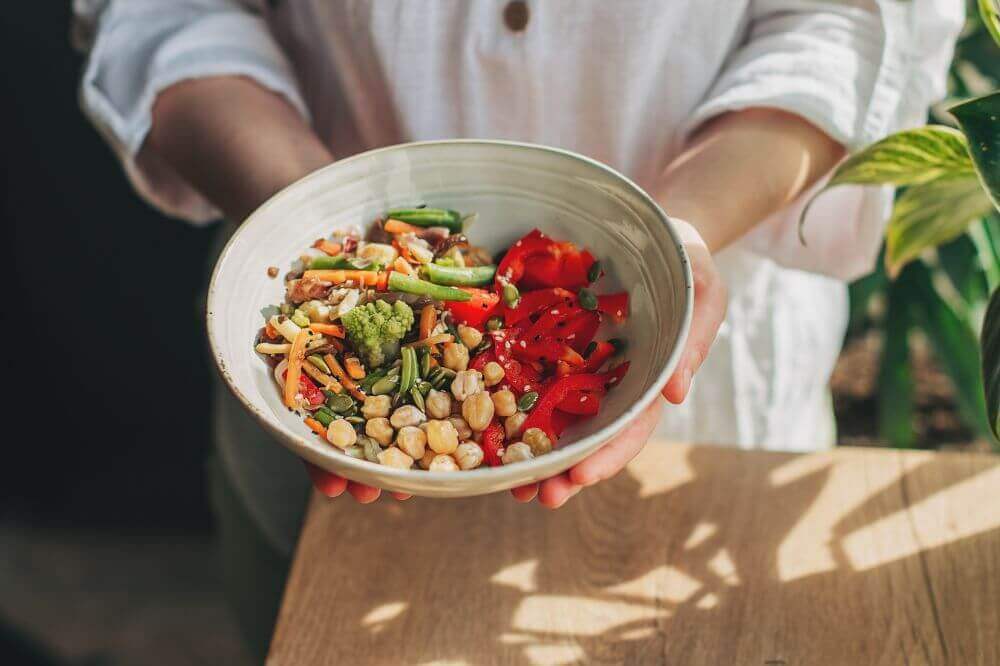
<point>511,295</point>
<point>371,448</point>
<point>594,272</point>
<point>587,299</point>
<point>355,420</point>
<point>425,363</point>
<point>527,401</point>
<point>424,388</point>
<point>494,323</point>
<point>355,452</point>
<point>591,348</point>
<point>340,403</point>
<point>618,344</point>
<point>385,385</point>
<point>418,399</point>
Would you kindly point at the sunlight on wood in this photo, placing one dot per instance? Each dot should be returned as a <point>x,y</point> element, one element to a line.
<point>520,576</point>
<point>565,615</point>
<point>554,654</point>
<point>806,549</point>
<point>799,467</point>
<point>384,613</point>
<point>700,533</point>
<point>654,480</point>
<point>930,523</point>
<point>663,582</point>
<point>708,602</point>
<point>722,566</point>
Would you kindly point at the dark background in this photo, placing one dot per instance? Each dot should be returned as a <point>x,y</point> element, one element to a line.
<point>111,386</point>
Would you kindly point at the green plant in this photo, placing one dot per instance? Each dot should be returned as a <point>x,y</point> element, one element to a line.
<point>942,245</point>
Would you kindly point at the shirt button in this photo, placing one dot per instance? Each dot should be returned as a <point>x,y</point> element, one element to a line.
<point>515,15</point>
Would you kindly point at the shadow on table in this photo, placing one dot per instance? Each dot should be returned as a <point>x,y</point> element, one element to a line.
<point>662,564</point>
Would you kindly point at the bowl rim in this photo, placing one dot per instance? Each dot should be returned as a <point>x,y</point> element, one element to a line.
<point>496,474</point>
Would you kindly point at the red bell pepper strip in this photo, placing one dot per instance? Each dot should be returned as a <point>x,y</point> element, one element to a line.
<point>575,266</point>
<point>492,444</point>
<point>601,353</point>
<point>511,268</point>
<point>541,271</point>
<point>545,350</point>
<point>561,420</point>
<point>614,305</point>
<point>480,360</point>
<point>552,319</point>
<point>580,330</point>
<point>582,403</point>
<point>475,311</point>
<point>519,376</point>
<point>541,415</point>
<point>309,390</point>
<point>535,301</point>
<point>615,374</point>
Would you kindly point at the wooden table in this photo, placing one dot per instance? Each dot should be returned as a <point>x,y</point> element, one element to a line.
<point>696,555</point>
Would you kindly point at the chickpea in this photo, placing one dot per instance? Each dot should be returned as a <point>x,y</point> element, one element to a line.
<point>376,406</point>
<point>469,336</point>
<point>425,461</point>
<point>493,373</point>
<point>393,457</point>
<point>517,452</point>
<point>478,410</point>
<point>380,430</point>
<point>438,404</point>
<point>466,383</point>
<point>512,424</point>
<point>443,463</point>
<point>468,455</point>
<point>407,415</point>
<point>538,441</point>
<point>461,427</point>
<point>442,436</point>
<point>505,403</point>
<point>341,434</point>
<point>412,441</point>
<point>456,356</point>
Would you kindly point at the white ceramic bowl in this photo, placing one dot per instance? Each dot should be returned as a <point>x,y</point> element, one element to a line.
<point>514,187</point>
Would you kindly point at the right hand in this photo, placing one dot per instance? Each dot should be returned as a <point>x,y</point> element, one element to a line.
<point>333,485</point>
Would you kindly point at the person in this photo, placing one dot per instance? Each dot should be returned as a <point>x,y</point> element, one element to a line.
<point>729,113</point>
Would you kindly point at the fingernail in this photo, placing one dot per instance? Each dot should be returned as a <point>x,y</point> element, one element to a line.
<point>572,493</point>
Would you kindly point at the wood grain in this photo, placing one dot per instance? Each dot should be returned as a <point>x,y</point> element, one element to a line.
<point>695,555</point>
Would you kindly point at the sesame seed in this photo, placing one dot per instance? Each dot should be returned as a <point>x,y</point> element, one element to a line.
<point>527,387</point>
<point>618,313</point>
<point>523,344</point>
<point>517,244</point>
<point>571,336</point>
<point>554,311</point>
<point>583,399</point>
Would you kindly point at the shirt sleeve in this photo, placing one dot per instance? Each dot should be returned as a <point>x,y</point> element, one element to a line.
<point>137,48</point>
<point>858,70</point>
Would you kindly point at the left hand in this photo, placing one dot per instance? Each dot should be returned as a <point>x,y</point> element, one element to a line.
<point>710,299</point>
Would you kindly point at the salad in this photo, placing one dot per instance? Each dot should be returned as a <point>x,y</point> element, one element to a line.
<point>411,348</point>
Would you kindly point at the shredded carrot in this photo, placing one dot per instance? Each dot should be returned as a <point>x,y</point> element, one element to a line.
<point>329,247</point>
<point>332,330</point>
<point>271,332</point>
<point>433,340</point>
<point>382,284</point>
<point>399,227</point>
<point>325,380</point>
<point>316,426</point>
<point>428,318</point>
<point>338,276</point>
<point>296,355</point>
<point>403,266</point>
<point>339,372</point>
<point>354,367</point>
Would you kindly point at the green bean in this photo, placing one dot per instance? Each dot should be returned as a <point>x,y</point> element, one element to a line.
<point>418,399</point>
<point>318,361</point>
<point>408,374</point>
<point>324,416</point>
<point>587,299</point>
<point>470,276</point>
<point>411,285</point>
<point>428,217</point>
<point>425,363</point>
<point>343,262</point>
<point>511,295</point>
<point>527,401</point>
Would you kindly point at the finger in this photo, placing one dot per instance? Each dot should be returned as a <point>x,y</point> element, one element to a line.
<point>328,484</point>
<point>554,492</point>
<point>710,301</point>
<point>613,456</point>
<point>402,497</point>
<point>525,493</point>
<point>362,493</point>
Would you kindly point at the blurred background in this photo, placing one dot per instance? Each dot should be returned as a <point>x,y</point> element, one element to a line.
<point>105,528</point>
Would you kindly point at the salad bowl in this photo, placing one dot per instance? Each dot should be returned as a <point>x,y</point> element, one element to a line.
<point>513,188</point>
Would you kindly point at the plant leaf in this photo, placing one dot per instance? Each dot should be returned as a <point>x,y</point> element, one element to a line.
<point>955,345</point>
<point>989,11</point>
<point>929,214</point>
<point>980,120</point>
<point>990,341</point>
<point>909,157</point>
<point>961,262</point>
<point>895,376</point>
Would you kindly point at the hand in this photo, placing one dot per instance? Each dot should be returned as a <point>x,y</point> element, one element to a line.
<point>710,299</point>
<point>332,486</point>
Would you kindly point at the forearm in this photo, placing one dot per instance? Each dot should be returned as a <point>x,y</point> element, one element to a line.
<point>741,167</point>
<point>234,141</point>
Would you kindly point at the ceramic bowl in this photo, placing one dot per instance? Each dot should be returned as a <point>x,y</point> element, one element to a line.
<point>514,188</point>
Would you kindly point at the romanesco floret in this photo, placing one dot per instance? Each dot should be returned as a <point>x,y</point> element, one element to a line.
<point>375,330</point>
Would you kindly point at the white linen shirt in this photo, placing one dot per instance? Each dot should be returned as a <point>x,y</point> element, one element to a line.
<point>624,82</point>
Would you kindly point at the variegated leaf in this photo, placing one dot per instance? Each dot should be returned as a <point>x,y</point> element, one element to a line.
<point>909,157</point>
